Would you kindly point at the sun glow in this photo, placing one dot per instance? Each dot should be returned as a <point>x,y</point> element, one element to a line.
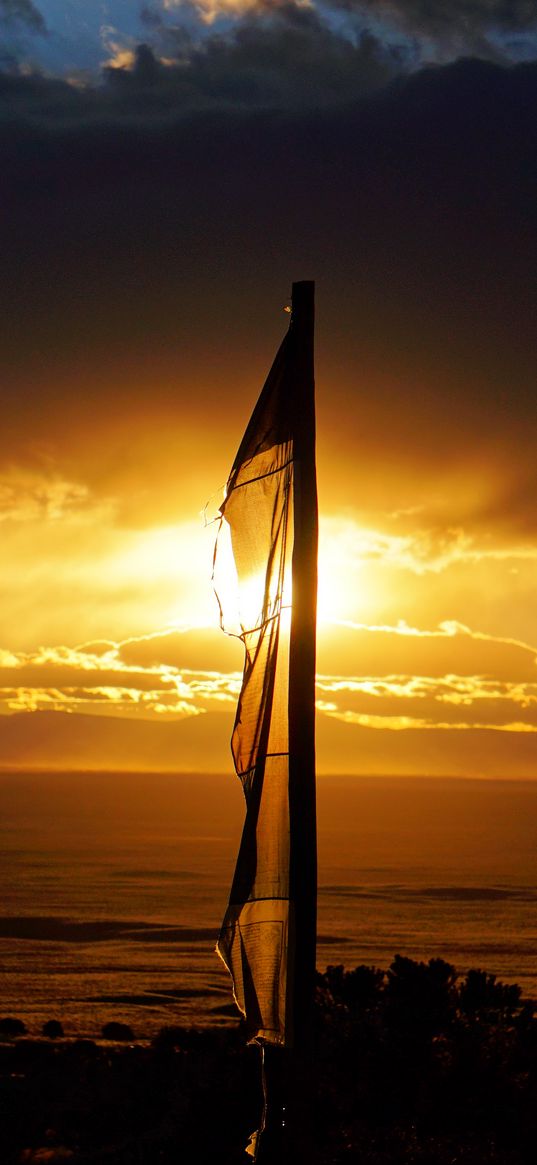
<point>246,603</point>
<point>169,568</point>
<point>338,597</point>
<point>343,590</point>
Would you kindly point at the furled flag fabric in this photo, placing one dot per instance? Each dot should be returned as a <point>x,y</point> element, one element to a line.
<point>253,558</point>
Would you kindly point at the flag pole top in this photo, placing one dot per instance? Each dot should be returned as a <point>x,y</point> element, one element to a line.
<point>303,298</point>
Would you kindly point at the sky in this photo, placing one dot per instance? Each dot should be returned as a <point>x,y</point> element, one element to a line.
<point>168,170</point>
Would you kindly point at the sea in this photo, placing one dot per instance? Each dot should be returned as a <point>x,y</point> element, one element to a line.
<point>113,887</point>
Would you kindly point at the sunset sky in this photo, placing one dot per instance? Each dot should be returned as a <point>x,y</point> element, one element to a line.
<point>168,170</point>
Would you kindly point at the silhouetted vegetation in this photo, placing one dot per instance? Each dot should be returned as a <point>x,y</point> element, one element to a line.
<point>414,1066</point>
<point>52,1029</point>
<point>9,1026</point>
<point>118,1032</point>
<point>424,1068</point>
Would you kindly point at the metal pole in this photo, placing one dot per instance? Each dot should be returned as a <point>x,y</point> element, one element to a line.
<point>302,792</point>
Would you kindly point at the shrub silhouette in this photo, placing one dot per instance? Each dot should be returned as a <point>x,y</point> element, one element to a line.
<point>53,1029</point>
<point>420,995</point>
<point>357,989</point>
<point>480,993</point>
<point>9,1026</point>
<point>114,1030</point>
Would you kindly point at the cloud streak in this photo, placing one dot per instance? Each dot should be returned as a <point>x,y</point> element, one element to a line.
<point>38,497</point>
<point>143,679</point>
<point>402,723</point>
<point>99,681</point>
<point>423,551</point>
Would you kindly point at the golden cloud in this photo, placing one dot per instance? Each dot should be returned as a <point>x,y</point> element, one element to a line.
<point>210,10</point>
<point>421,551</point>
<point>401,723</point>
<point>142,678</point>
<point>38,496</point>
<point>96,680</point>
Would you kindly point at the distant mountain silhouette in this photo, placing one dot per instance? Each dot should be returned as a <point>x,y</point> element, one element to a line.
<point>471,752</point>
<point>202,744</point>
<point>68,740</point>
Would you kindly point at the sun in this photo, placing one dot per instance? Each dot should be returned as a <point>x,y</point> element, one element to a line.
<point>347,590</point>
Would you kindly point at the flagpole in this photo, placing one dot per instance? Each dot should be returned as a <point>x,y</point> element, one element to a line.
<point>268,935</point>
<point>288,1072</point>
<point>302,791</point>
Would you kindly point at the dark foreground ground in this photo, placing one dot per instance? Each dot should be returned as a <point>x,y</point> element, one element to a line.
<point>411,1067</point>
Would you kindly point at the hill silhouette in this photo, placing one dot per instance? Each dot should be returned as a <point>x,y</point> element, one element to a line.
<point>54,740</point>
<point>71,741</point>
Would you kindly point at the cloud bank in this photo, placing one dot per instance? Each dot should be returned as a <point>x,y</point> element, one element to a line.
<point>149,677</point>
<point>258,38</point>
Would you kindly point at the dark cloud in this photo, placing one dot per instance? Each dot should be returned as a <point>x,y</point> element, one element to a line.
<point>289,60</point>
<point>454,26</point>
<point>443,18</point>
<point>13,12</point>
